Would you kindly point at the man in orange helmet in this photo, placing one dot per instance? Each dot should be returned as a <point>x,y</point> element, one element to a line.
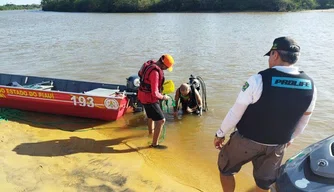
<point>149,93</point>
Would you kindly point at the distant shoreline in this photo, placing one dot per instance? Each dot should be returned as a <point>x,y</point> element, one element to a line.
<point>177,6</point>
<point>11,7</point>
<point>246,11</point>
<point>8,7</point>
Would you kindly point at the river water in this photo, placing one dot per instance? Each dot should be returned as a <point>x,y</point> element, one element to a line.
<point>222,48</point>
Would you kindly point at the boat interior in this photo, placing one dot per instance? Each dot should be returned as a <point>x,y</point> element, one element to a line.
<point>52,84</point>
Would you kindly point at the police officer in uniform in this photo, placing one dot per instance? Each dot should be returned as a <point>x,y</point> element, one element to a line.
<point>273,107</point>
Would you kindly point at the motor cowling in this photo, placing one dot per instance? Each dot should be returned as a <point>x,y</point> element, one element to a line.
<point>132,83</point>
<point>132,86</point>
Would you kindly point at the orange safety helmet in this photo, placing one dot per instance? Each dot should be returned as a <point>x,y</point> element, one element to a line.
<point>168,61</point>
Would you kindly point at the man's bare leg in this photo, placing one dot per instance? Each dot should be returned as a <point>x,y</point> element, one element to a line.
<point>157,131</point>
<point>150,125</point>
<point>227,182</point>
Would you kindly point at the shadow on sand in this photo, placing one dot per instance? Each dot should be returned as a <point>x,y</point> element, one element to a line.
<point>70,123</point>
<point>74,145</point>
<point>48,121</point>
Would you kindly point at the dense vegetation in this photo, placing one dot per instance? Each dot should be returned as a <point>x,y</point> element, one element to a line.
<point>182,5</point>
<point>19,7</point>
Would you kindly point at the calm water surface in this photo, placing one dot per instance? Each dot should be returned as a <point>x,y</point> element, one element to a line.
<point>223,48</point>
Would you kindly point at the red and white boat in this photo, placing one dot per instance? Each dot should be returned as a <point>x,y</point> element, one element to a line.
<point>68,97</point>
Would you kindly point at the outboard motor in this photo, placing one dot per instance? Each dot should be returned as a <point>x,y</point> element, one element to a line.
<point>311,170</point>
<point>196,82</point>
<point>132,85</point>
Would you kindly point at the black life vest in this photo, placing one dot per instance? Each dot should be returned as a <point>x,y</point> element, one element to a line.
<point>191,102</point>
<point>284,100</point>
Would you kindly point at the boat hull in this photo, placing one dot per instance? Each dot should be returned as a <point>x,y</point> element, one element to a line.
<point>108,108</point>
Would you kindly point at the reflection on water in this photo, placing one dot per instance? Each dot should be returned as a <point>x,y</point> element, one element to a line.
<point>223,48</point>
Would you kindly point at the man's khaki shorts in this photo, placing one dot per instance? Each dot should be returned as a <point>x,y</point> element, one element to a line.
<point>240,150</point>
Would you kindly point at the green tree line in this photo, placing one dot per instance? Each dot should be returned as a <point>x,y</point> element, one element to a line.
<point>19,7</point>
<point>182,5</point>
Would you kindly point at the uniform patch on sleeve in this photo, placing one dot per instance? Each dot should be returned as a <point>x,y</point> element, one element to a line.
<point>245,86</point>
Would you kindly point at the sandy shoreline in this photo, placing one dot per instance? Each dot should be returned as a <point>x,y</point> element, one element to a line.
<point>35,159</point>
<point>44,152</point>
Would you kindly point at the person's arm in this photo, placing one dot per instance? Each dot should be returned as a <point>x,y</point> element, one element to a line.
<point>198,98</point>
<point>176,99</point>
<point>231,119</point>
<point>303,121</point>
<point>199,102</point>
<point>154,82</point>
<point>250,93</point>
<point>229,122</point>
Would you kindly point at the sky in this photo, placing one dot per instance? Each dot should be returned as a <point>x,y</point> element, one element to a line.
<point>20,2</point>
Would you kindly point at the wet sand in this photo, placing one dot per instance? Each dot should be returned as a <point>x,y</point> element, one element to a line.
<point>54,160</point>
<point>44,152</point>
